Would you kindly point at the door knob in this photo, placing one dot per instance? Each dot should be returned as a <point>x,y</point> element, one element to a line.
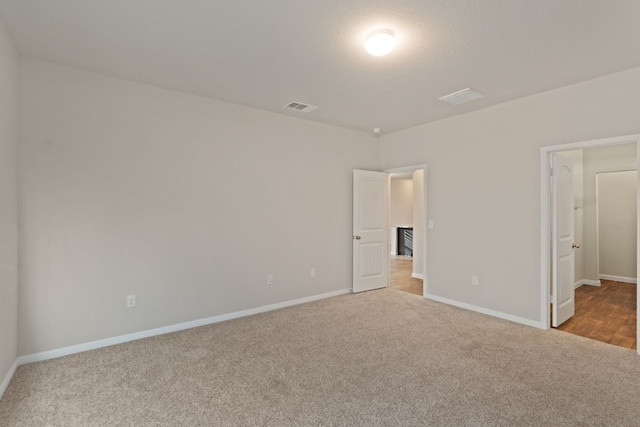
<point>575,246</point>
<point>357,237</point>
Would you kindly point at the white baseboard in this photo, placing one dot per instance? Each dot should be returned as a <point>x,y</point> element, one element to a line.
<point>393,254</point>
<point>591,282</point>
<point>498,314</point>
<point>618,278</point>
<point>417,276</point>
<point>7,378</point>
<point>52,354</point>
<point>586,282</point>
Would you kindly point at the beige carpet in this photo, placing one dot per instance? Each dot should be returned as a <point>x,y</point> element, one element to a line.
<point>372,359</point>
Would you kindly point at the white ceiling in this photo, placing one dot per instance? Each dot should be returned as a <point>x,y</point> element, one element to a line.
<point>266,53</point>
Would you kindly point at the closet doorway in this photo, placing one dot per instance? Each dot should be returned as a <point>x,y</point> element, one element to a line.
<point>605,228</point>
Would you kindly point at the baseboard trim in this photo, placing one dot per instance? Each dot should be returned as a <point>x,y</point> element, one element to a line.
<point>586,282</point>
<point>498,314</point>
<point>618,278</point>
<point>591,282</point>
<point>417,276</point>
<point>79,348</point>
<point>7,378</point>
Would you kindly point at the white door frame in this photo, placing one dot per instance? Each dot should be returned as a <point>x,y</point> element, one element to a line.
<point>414,168</point>
<point>545,214</point>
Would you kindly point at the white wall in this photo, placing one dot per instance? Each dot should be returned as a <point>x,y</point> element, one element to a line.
<point>186,202</point>
<point>617,223</point>
<point>596,160</point>
<point>578,221</point>
<point>401,209</point>
<point>484,185</point>
<point>8,205</point>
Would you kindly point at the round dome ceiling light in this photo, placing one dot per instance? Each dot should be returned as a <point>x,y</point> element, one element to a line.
<point>380,42</point>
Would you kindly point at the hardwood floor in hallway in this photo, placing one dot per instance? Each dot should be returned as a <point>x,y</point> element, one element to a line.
<point>605,313</point>
<point>401,269</point>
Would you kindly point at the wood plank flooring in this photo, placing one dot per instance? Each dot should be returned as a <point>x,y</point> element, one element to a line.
<point>605,313</point>
<point>401,269</point>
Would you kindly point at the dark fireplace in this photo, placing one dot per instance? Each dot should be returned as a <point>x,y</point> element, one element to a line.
<point>405,241</point>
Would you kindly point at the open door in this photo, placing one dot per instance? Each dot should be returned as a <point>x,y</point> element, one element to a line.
<point>562,244</point>
<point>370,231</point>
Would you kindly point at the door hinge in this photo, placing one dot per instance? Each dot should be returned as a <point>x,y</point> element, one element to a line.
<point>551,170</point>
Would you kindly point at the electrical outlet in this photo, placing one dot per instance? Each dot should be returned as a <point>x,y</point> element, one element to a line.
<point>270,279</point>
<point>313,272</point>
<point>131,301</point>
<point>475,281</point>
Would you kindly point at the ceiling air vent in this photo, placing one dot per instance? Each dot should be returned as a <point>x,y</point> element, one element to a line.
<point>461,96</point>
<point>299,106</point>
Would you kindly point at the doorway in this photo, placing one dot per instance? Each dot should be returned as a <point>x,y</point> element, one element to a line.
<point>605,309</point>
<point>401,210</point>
<point>371,228</point>
<point>407,229</point>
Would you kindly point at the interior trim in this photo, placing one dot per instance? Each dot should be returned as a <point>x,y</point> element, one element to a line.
<point>7,378</point>
<point>498,314</point>
<point>79,348</point>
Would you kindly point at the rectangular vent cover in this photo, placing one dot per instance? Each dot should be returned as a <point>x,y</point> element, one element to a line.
<point>461,96</point>
<point>300,106</point>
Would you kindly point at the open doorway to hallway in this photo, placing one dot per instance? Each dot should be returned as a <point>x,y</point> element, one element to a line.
<point>382,254</point>
<point>405,218</point>
<point>605,253</point>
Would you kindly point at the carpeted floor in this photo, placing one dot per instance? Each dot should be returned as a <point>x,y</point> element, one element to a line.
<point>378,358</point>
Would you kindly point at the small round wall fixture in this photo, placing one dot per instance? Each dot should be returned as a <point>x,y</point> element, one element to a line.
<point>380,42</point>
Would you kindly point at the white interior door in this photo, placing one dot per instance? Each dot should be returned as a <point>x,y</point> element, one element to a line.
<point>562,243</point>
<point>370,231</point>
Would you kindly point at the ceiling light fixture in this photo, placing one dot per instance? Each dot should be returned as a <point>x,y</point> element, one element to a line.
<point>380,42</point>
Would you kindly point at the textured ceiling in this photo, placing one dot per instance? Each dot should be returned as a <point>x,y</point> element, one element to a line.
<point>264,54</point>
